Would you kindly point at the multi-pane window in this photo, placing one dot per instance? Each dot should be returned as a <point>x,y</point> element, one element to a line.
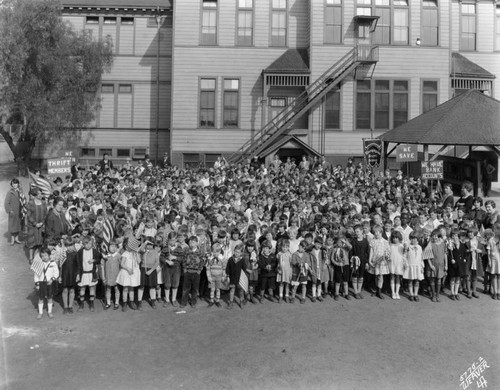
<point>382,93</point>
<point>207,103</point>
<point>278,22</point>
<point>430,23</point>
<point>209,22</point>
<point>245,23</point>
<point>497,40</point>
<point>332,110</point>
<point>429,95</point>
<point>392,25</point>
<point>230,102</point>
<point>333,21</point>
<point>364,7</point>
<point>400,103</point>
<point>381,104</point>
<point>468,26</point>
<point>363,104</point>
<point>401,25</point>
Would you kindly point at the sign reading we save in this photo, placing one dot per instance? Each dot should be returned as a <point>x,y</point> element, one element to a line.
<point>406,153</point>
<point>432,169</point>
<point>57,166</point>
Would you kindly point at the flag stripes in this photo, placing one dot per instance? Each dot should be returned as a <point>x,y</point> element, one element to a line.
<point>41,183</point>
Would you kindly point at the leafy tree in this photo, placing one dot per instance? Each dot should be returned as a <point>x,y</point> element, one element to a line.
<point>49,75</point>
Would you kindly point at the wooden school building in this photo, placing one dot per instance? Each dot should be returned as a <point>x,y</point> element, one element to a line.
<point>203,78</point>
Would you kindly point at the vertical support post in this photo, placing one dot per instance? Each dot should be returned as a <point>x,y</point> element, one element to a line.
<point>159,20</point>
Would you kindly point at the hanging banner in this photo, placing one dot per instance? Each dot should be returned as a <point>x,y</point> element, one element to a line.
<point>406,153</point>
<point>373,152</point>
<point>432,169</point>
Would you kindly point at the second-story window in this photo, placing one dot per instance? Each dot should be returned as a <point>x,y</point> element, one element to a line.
<point>209,22</point>
<point>245,23</point>
<point>467,26</point>
<point>333,21</point>
<point>393,23</point>
<point>278,22</point>
<point>430,23</point>
<point>230,102</point>
<point>207,103</point>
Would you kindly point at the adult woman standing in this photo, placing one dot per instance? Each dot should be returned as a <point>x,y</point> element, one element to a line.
<point>56,225</point>
<point>492,214</point>
<point>36,214</point>
<point>14,205</point>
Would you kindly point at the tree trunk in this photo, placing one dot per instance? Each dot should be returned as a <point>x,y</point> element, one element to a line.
<point>21,150</point>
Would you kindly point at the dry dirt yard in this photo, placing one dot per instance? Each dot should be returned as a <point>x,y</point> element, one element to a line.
<point>366,344</point>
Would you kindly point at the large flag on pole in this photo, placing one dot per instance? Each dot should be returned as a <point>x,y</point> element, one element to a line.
<point>108,233</point>
<point>42,184</point>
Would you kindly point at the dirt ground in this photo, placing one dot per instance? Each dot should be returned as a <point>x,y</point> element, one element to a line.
<point>366,344</point>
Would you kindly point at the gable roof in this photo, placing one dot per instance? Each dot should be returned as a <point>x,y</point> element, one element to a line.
<point>286,141</point>
<point>471,118</point>
<point>291,61</point>
<point>463,67</point>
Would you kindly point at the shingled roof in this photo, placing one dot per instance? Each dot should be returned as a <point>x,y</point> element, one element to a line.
<point>471,118</point>
<point>291,61</point>
<point>463,67</point>
<point>164,4</point>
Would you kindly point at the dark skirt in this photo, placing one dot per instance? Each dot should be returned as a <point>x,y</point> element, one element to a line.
<point>149,280</point>
<point>453,270</point>
<point>69,271</point>
<point>464,267</point>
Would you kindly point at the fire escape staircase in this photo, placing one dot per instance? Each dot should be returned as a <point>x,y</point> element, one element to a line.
<point>361,55</point>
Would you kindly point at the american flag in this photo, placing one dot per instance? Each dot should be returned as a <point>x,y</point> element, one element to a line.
<point>37,265</point>
<point>243,281</point>
<point>108,233</point>
<point>42,184</point>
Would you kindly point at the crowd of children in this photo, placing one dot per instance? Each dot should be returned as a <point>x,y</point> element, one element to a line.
<point>257,233</point>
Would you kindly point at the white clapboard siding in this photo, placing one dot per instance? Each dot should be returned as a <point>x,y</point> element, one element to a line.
<point>139,68</point>
<point>262,20</point>
<point>199,140</point>
<point>485,27</point>
<point>455,25</point>
<point>144,106</point>
<point>126,41</point>
<point>110,30</point>
<point>146,39</point>
<point>107,110</point>
<point>76,21</point>
<point>187,22</point>
<point>298,21</point>
<point>165,97</point>
<point>124,117</point>
<point>444,23</point>
<point>227,23</point>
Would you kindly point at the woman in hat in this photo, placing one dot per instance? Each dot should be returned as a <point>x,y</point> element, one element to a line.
<point>14,205</point>
<point>36,214</point>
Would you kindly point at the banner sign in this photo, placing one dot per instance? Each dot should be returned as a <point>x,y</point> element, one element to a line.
<point>406,153</point>
<point>432,169</point>
<point>58,166</point>
<point>72,154</point>
<point>373,152</point>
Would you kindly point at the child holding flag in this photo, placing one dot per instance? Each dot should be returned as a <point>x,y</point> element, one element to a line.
<point>46,272</point>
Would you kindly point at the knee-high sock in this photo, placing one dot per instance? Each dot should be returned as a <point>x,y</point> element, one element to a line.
<point>174,294</point>
<point>65,297</point>
<point>108,295</point>
<point>40,307</point>
<point>304,290</point>
<point>125,294</point>
<point>281,290</point>
<point>393,286</point>
<point>167,295</point>
<point>131,295</point>
<point>49,306</point>
<point>415,287</point>
<point>140,293</point>
<point>117,295</point>
<point>410,288</point>
<point>71,297</point>
<point>231,294</point>
<point>152,293</point>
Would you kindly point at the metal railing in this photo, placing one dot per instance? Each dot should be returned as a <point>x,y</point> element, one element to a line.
<point>311,94</point>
